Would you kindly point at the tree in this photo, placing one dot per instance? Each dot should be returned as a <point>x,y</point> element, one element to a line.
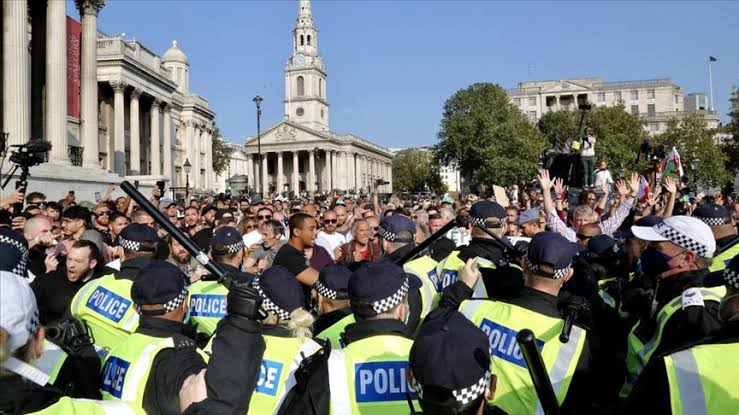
<point>730,144</point>
<point>221,152</point>
<point>415,171</point>
<point>693,140</point>
<point>490,139</point>
<point>619,134</point>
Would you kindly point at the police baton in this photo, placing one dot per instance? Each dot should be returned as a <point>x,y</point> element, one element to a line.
<point>537,371</point>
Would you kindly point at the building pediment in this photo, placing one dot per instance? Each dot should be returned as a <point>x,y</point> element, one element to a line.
<point>286,132</point>
<point>565,86</point>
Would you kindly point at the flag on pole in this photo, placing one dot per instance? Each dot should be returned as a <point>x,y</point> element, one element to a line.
<point>672,166</point>
<point>643,194</point>
<point>712,59</point>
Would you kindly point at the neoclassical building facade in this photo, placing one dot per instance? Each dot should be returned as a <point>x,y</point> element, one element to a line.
<point>301,153</point>
<point>111,107</point>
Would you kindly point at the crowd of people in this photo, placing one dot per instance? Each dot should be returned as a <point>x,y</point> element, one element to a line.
<point>333,306</point>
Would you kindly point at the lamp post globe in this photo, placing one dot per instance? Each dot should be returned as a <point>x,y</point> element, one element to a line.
<point>188,167</point>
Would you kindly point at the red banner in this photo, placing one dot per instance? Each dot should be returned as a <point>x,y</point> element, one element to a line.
<point>74,38</point>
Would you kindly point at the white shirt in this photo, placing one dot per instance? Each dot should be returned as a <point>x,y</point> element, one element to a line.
<point>588,147</point>
<point>602,176</point>
<point>330,241</point>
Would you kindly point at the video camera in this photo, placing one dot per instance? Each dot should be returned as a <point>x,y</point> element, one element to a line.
<point>26,156</point>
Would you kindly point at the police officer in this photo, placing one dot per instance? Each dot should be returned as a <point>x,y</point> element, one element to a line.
<point>681,311</point>
<point>700,379</point>
<point>499,280</point>
<point>450,367</point>
<point>287,334</point>
<point>398,235</point>
<point>149,367</point>
<point>208,296</point>
<point>331,294</point>
<point>104,304</point>
<point>368,376</point>
<point>724,231</point>
<point>547,266</point>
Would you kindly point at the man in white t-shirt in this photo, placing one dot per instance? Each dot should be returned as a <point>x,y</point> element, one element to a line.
<point>602,175</point>
<point>328,238</point>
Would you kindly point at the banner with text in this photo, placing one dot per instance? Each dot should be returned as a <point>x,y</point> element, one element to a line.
<point>74,38</point>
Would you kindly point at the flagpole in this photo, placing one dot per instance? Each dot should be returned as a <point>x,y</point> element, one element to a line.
<point>710,80</point>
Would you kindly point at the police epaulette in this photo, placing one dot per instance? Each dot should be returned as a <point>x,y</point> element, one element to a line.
<point>183,342</point>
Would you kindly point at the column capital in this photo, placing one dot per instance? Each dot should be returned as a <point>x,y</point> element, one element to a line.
<point>158,104</point>
<point>118,86</point>
<point>189,123</point>
<point>136,93</point>
<point>89,6</point>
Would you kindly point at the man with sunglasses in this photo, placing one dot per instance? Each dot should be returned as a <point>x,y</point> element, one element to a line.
<point>101,220</point>
<point>328,237</point>
<point>679,251</point>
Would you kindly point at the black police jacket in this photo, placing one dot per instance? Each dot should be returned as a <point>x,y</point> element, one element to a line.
<point>502,282</point>
<point>415,304</point>
<point>651,394</point>
<point>21,396</point>
<point>130,268</point>
<point>327,320</point>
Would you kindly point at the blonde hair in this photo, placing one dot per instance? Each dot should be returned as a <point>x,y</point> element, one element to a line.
<point>300,323</point>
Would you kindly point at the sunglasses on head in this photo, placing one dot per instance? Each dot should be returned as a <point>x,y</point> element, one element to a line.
<point>330,221</point>
<point>264,216</point>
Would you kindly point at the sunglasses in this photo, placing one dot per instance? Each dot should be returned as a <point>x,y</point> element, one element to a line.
<point>583,237</point>
<point>375,228</point>
<point>104,213</point>
<point>330,221</point>
<point>250,227</point>
<point>264,216</point>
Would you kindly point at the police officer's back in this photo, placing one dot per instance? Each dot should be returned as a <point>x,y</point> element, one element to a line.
<point>450,367</point>
<point>331,295</point>
<point>104,304</point>
<point>368,376</point>
<point>500,279</point>
<point>700,379</point>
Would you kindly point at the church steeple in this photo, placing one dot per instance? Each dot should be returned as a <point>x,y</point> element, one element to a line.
<point>305,75</point>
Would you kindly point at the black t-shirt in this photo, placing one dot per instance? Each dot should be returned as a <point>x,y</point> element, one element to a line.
<point>291,258</point>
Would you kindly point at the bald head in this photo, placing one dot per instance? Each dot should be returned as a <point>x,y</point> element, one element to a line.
<point>36,226</point>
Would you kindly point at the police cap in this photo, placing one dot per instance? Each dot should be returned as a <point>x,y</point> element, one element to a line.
<point>226,241</point>
<point>138,237</point>
<point>550,255</point>
<point>484,210</point>
<point>333,282</point>
<point>281,293</point>
<point>397,228</point>
<point>14,250</point>
<point>712,214</point>
<point>450,361</point>
<point>157,283</point>
<point>376,287</point>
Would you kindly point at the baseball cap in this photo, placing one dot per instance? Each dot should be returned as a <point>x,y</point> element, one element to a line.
<point>281,293</point>
<point>712,214</point>
<point>485,209</point>
<point>159,282</point>
<point>684,231</point>
<point>333,282</point>
<point>376,287</point>
<point>531,215</point>
<point>166,202</point>
<point>226,240</point>
<point>391,226</point>
<point>447,199</point>
<point>18,310</point>
<point>552,250</point>
<point>450,360</point>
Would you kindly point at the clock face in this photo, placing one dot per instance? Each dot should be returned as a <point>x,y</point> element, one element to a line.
<point>299,58</point>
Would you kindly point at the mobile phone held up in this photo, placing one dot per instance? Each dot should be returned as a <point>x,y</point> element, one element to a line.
<point>160,185</point>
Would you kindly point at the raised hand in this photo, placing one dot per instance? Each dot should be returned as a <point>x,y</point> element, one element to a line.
<point>634,183</point>
<point>621,188</point>
<point>558,186</point>
<point>544,181</point>
<point>670,184</point>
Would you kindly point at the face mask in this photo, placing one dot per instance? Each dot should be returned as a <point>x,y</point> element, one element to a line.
<point>721,317</point>
<point>653,262</point>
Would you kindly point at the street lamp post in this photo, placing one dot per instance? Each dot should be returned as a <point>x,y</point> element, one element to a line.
<point>188,167</point>
<point>694,163</point>
<point>258,101</point>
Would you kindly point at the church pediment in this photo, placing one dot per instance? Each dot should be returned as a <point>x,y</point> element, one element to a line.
<point>565,86</point>
<point>287,133</point>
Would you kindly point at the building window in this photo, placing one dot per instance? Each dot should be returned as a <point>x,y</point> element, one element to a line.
<point>617,96</point>
<point>654,127</point>
<point>677,99</point>
<point>635,109</point>
<point>322,113</point>
<point>532,101</point>
<point>301,86</point>
<point>320,87</point>
<point>650,93</point>
<point>651,110</point>
<point>301,40</point>
<point>532,116</point>
<point>634,95</point>
<point>601,97</point>
<point>517,102</point>
<point>308,40</point>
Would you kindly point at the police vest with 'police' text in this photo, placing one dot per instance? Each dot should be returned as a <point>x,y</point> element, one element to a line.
<point>207,305</point>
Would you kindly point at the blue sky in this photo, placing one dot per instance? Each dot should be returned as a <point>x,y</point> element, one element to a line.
<point>392,64</point>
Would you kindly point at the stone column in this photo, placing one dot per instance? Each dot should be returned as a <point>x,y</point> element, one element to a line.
<point>16,71</point>
<point>134,148</point>
<point>209,158</point>
<point>89,10</point>
<point>311,171</point>
<point>56,82</point>
<point>352,172</point>
<point>358,172</point>
<point>265,179</point>
<point>197,142</point>
<point>280,176</point>
<point>168,171</point>
<point>156,113</point>
<point>249,172</point>
<point>188,144</point>
<point>296,173</point>
<point>330,156</point>
<point>390,178</point>
<point>119,126</point>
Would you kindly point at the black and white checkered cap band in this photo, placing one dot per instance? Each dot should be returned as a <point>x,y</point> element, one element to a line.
<point>129,245</point>
<point>558,273</point>
<point>327,292</point>
<point>5,240</point>
<point>21,267</point>
<point>682,240</point>
<point>34,323</point>
<point>731,277</point>
<point>477,221</point>
<point>234,248</point>
<point>714,221</point>
<point>268,305</point>
<point>386,235</point>
<point>167,307</point>
<point>390,302</point>
<point>463,396</point>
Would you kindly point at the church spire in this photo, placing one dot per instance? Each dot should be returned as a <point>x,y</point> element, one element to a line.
<point>305,34</point>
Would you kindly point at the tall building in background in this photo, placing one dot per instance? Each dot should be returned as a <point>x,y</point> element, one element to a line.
<point>301,153</point>
<point>654,100</point>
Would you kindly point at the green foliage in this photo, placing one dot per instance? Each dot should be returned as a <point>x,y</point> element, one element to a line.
<point>415,171</point>
<point>730,145</point>
<point>488,137</point>
<point>694,140</point>
<point>221,153</point>
<point>559,126</point>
